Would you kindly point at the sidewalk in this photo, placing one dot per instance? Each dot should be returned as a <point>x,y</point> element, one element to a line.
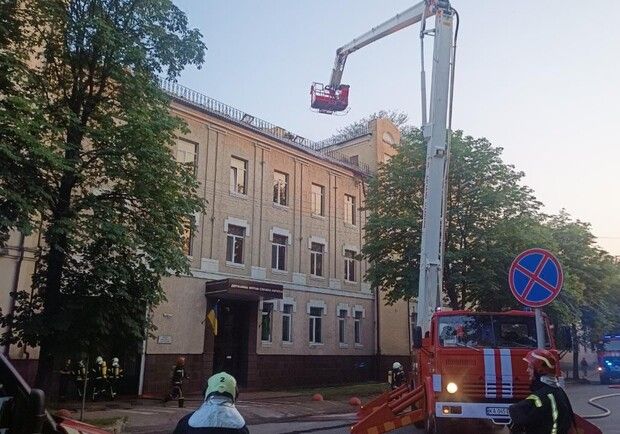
<point>258,408</point>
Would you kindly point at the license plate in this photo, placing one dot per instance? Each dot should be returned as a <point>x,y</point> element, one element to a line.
<point>497,411</point>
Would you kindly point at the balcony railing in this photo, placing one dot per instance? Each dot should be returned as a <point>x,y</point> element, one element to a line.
<point>224,110</point>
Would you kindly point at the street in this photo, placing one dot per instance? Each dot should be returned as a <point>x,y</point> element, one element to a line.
<point>297,414</point>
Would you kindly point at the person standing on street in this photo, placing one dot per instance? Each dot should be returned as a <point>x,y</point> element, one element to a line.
<point>397,376</point>
<point>115,374</point>
<point>584,366</point>
<point>547,410</point>
<point>217,414</point>
<point>177,376</point>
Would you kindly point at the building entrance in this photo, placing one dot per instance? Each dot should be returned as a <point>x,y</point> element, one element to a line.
<point>230,352</point>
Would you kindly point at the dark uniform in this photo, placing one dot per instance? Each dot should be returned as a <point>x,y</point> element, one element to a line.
<point>546,411</point>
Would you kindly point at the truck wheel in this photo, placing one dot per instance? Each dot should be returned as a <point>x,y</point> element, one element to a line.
<point>604,379</point>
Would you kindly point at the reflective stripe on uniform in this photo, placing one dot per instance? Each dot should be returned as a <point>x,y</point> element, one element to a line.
<point>554,413</point>
<point>536,400</point>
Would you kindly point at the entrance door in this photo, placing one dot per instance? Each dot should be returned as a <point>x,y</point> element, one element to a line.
<point>231,343</point>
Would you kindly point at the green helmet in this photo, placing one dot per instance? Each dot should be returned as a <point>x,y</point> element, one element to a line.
<point>222,384</point>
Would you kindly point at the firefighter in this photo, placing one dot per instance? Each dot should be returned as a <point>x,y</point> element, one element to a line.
<point>547,410</point>
<point>66,374</point>
<point>80,375</point>
<point>217,414</point>
<point>396,377</point>
<point>100,373</point>
<point>115,375</point>
<point>178,375</point>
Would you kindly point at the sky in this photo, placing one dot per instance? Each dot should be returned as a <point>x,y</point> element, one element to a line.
<point>539,79</point>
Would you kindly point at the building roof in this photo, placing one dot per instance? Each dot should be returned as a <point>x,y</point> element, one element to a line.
<point>323,149</point>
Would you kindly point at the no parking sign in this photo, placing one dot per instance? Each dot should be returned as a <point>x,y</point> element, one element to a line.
<point>535,277</point>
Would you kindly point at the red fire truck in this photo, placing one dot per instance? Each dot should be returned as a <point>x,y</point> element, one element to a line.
<point>469,366</point>
<point>608,357</point>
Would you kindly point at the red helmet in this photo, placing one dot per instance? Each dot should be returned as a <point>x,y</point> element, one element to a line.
<point>181,361</point>
<point>543,362</point>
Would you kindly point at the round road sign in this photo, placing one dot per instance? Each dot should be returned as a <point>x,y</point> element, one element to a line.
<point>535,277</point>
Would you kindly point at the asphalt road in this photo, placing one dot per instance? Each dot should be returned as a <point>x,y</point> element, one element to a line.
<point>340,424</point>
<point>156,419</point>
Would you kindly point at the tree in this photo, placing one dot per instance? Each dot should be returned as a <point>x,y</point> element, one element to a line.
<point>24,160</point>
<point>117,204</point>
<point>486,206</point>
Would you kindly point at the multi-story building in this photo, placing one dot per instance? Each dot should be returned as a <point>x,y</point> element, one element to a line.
<point>276,255</point>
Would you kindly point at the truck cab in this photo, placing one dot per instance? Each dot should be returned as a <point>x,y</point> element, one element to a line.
<point>473,365</point>
<point>608,357</point>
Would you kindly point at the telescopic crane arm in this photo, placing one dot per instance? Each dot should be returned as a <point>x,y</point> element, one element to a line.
<point>334,97</point>
<point>407,18</point>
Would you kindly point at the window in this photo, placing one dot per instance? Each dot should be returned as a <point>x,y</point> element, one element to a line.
<point>349,265</point>
<point>234,244</point>
<point>349,209</point>
<point>238,175</point>
<point>318,199</point>
<point>316,259</point>
<point>287,323</point>
<point>315,325</point>
<point>358,327</point>
<point>186,153</point>
<point>278,252</point>
<point>280,188</point>
<point>187,237</point>
<point>265,323</point>
<point>342,319</point>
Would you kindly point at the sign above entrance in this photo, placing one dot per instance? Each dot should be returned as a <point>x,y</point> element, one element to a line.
<point>240,289</point>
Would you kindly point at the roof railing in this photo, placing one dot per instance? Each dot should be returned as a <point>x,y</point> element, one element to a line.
<point>214,106</point>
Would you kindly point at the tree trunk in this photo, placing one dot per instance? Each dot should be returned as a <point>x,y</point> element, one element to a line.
<point>575,352</point>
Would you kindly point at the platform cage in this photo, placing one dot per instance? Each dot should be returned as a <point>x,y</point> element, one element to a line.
<point>328,100</point>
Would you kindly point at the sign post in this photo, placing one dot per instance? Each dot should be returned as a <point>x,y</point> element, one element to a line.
<point>535,279</point>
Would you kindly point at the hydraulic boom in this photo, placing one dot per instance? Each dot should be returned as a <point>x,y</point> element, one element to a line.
<point>334,97</point>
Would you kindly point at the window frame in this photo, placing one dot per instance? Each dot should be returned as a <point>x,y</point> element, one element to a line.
<point>349,209</point>
<point>278,198</point>
<point>236,238</point>
<point>288,315</point>
<point>357,327</point>
<point>342,326</point>
<point>316,257</point>
<point>314,324</point>
<point>269,315</point>
<point>349,266</point>
<point>278,252</point>
<point>234,176</point>
<point>313,195</point>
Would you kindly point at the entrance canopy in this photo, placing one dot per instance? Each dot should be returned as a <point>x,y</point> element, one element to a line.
<point>240,289</point>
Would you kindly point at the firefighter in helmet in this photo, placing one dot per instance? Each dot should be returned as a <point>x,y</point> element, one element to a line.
<point>115,373</point>
<point>176,377</point>
<point>396,377</point>
<point>100,373</point>
<point>218,413</point>
<point>547,409</point>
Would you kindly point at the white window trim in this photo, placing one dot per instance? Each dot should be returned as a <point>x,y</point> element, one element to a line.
<point>237,222</point>
<point>358,308</point>
<point>350,247</point>
<point>289,300</point>
<point>343,306</point>
<point>316,303</point>
<point>319,240</point>
<point>273,301</point>
<point>274,305</point>
<point>280,231</point>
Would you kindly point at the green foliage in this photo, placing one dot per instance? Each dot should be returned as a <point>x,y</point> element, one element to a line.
<point>491,218</point>
<point>113,198</point>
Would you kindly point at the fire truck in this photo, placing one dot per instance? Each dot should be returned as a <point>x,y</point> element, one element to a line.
<point>466,365</point>
<point>608,357</point>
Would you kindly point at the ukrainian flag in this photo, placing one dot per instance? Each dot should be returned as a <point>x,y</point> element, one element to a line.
<point>212,317</point>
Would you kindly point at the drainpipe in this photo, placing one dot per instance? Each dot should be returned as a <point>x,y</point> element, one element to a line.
<point>143,356</point>
<point>377,305</point>
<point>14,287</point>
